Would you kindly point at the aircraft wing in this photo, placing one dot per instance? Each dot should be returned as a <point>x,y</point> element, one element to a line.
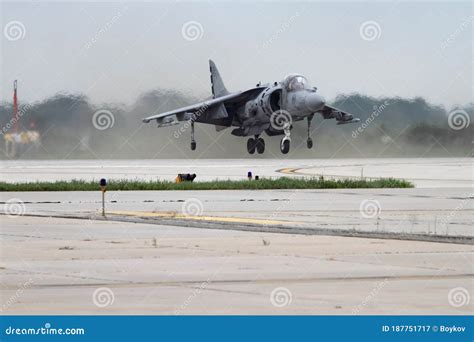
<point>183,113</point>
<point>341,116</point>
<point>212,111</point>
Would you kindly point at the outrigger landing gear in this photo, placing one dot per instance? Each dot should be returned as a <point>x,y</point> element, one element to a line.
<point>257,144</point>
<point>193,142</point>
<point>285,142</point>
<point>309,141</point>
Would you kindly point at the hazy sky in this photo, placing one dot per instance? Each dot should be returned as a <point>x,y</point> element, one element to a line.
<point>114,51</point>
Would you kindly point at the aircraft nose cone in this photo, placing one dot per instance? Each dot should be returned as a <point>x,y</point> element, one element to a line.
<point>314,102</point>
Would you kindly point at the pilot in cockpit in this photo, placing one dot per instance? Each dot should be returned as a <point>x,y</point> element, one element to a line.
<point>297,83</point>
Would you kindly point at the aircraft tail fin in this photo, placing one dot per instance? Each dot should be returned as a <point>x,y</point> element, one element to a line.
<point>217,85</point>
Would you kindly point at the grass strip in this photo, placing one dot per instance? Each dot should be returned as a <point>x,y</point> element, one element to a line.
<point>261,184</point>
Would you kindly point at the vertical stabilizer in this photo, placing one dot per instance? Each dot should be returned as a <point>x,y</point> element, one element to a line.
<point>217,85</point>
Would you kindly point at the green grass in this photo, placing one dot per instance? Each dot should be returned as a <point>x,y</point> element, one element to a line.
<point>264,183</point>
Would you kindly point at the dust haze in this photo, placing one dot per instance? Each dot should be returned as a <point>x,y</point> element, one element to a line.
<point>71,127</point>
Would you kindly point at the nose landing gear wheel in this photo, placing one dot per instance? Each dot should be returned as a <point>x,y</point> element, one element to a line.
<point>260,145</point>
<point>309,143</point>
<point>285,146</point>
<point>193,145</point>
<point>251,146</point>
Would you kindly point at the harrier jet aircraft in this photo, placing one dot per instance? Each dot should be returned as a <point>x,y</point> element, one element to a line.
<point>270,108</point>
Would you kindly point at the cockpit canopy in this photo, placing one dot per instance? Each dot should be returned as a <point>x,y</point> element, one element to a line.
<point>295,82</point>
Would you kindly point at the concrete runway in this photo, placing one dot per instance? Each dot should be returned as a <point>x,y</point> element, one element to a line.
<point>67,266</point>
<point>423,172</point>
<point>155,254</point>
<point>438,212</point>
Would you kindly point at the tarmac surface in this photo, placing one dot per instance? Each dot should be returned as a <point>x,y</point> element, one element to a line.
<point>344,251</point>
<point>64,266</point>
<point>436,212</point>
<point>423,172</point>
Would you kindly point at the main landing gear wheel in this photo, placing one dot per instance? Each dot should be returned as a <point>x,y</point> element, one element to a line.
<point>251,145</point>
<point>285,145</point>
<point>193,145</point>
<point>309,143</point>
<point>260,145</point>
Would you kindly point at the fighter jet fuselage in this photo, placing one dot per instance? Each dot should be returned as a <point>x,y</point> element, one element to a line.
<point>270,108</point>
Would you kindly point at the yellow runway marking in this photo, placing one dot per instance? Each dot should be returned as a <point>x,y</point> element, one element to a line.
<point>174,215</point>
<point>288,170</point>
